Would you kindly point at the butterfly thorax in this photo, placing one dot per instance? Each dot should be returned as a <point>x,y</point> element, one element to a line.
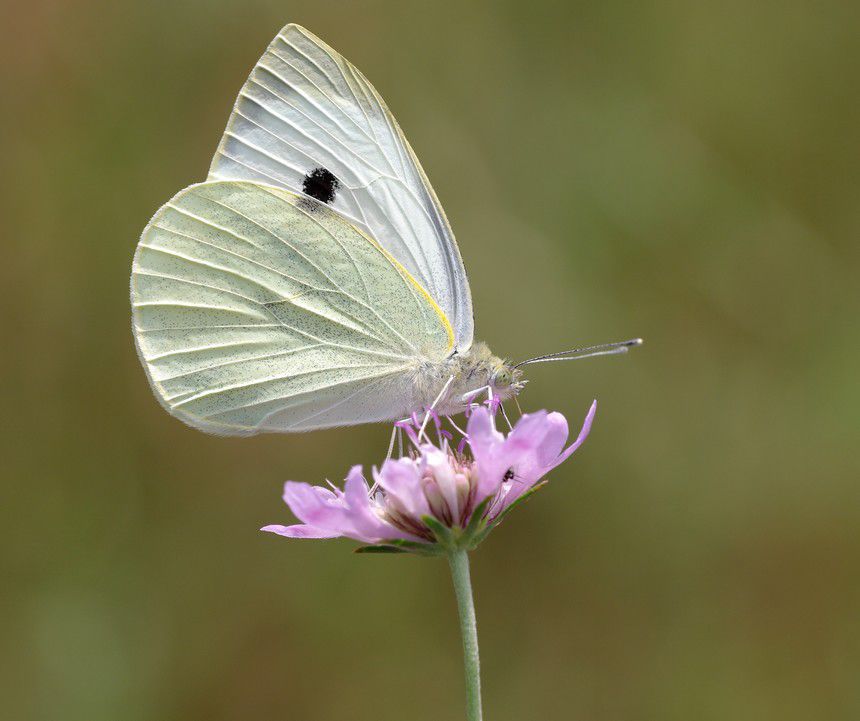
<point>477,374</point>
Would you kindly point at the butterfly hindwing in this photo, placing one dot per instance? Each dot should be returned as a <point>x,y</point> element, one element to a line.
<point>255,309</point>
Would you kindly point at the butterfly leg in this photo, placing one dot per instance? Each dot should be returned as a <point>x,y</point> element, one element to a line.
<point>391,444</point>
<point>432,407</point>
<point>456,427</point>
<point>505,416</point>
<point>493,402</point>
<point>469,398</point>
<point>397,432</point>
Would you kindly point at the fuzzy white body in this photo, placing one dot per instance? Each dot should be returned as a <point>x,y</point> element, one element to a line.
<point>474,375</point>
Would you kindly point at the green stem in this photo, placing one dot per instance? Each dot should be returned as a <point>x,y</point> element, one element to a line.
<point>459,561</point>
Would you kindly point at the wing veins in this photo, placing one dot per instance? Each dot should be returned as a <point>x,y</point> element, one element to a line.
<point>388,259</point>
<point>328,408</point>
<point>375,376</point>
<point>177,304</point>
<point>321,91</point>
<point>242,386</point>
<point>203,348</point>
<point>311,121</point>
<point>229,252</point>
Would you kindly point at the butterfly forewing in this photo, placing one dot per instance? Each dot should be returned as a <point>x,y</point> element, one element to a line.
<point>308,121</point>
<point>256,309</point>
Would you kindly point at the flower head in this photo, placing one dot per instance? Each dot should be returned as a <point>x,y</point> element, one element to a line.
<point>437,497</point>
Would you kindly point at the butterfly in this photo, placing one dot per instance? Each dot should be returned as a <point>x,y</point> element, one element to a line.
<point>312,280</point>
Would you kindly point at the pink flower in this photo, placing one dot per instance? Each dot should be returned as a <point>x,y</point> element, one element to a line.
<point>437,498</point>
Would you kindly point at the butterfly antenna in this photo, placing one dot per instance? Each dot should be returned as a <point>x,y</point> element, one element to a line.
<point>584,352</point>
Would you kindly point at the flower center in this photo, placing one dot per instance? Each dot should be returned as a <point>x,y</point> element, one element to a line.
<point>449,488</point>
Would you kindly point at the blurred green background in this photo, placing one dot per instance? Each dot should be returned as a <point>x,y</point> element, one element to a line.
<point>687,172</point>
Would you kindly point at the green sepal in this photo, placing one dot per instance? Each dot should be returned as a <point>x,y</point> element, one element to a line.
<point>423,549</point>
<point>477,521</point>
<point>477,539</point>
<point>399,545</point>
<point>379,548</point>
<point>444,535</point>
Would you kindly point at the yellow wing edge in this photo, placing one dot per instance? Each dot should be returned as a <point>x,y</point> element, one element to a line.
<point>449,329</point>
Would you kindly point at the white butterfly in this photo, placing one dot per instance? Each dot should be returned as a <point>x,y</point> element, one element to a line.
<point>313,279</point>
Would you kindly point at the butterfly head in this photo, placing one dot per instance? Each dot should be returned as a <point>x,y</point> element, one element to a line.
<point>474,375</point>
<point>505,379</point>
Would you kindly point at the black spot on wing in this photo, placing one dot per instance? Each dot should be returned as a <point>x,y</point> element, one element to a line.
<point>321,184</point>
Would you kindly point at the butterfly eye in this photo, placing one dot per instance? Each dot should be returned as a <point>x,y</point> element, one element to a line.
<point>502,378</point>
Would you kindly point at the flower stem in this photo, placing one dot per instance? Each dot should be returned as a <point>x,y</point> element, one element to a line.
<point>459,561</point>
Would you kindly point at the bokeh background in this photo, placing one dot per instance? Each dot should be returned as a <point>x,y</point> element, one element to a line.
<point>687,172</point>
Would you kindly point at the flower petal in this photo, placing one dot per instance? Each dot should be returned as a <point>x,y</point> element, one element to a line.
<point>482,433</point>
<point>401,481</point>
<point>532,464</point>
<point>345,513</point>
<point>529,432</point>
<point>439,464</point>
<point>315,506</point>
<point>365,524</point>
<point>487,446</point>
<point>519,452</point>
<point>580,439</point>
<point>553,442</point>
<point>300,530</point>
